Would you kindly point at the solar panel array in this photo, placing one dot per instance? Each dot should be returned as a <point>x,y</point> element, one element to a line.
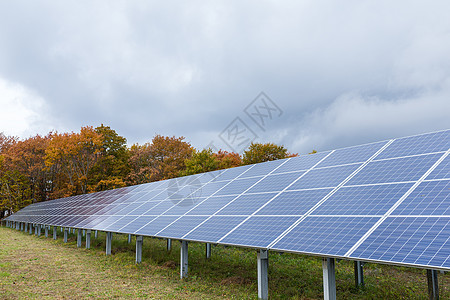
<point>387,202</point>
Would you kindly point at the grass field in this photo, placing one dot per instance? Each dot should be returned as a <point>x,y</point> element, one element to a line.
<point>32,267</point>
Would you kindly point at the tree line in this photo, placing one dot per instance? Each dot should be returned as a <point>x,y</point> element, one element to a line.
<point>59,165</point>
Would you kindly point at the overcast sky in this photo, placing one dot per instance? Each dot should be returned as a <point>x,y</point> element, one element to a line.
<point>333,73</point>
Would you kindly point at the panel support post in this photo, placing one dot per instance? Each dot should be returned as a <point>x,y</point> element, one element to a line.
<point>21,226</point>
<point>263,279</point>
<point>359,274</point>
<point>66,233</point>
<point>129,239</point>
<point>55,230</point>
<point>79,237</point>
<point>39,230</point>
<point>433,285</point>
<point>108,242</point>
<point>139,242</point>
<point>208,250</point>
<point>84,232</point>
<point>30,228</point>
<point>46,231</point>
<point>329,279</point>
<point>96,234</point>
<point>88,239</point>
<point>169,244</point>
<point>35,229</point>
<point>184,259</point>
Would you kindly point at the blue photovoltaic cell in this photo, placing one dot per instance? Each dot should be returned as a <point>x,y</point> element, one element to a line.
<point>142,208</point>
<point>212,188</point>
<point>395,170</point>
<point>156,225</point>
<point>116,226</point>
<point>294,203</point>
<point>160,208</point>
<point>326,177</point>
<point>420,144</point>
<point>211,205</point>
<point>442,171</point>
<point>214,228</point>
<point>238,186</point>
<point>136,224</point>
<point>259,231</point>
<point>275,183</point>
<point>264,168</point>
<point>246,204</point>
<point>183,206</point>
<point>419,241</point>
<point>363,200</point>
<point>106,223</point>
<point>181,226</point>
<point>351,155</point>
<point>300,163</point>
<point>325,235</point>
<point>429,198</point>
<point>229,174</point>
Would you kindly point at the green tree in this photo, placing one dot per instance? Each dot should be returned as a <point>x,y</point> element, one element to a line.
<point>200,162</point>
<point>112,166</point>
<point>258,152</point>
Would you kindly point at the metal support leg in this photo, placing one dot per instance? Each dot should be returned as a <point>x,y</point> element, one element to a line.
<point>39,230</point>
<point>108,243</point>
<point>359,274</point>
<point>84,232</point>
<point>79,238</point>
<point>139,242</point>
<point>129,239</point>
<point>55,230</point>
<point>169,244</point>
<point>30,228</point>
<point>263,279</point>
<point>184,259</point>
<point>329,279</point>
<point>62,229</point>
<point>88,239</point>
<point>208,250</point>
<point>433,284</point>
<point>66,233</point>
<point>21,226</point>
<point>96,234</point>
<point>46,231</point>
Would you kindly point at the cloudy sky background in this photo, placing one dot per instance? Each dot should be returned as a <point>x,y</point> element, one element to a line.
<point>343,73</point>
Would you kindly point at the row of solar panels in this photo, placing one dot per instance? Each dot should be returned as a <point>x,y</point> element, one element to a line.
<point>386,201</point>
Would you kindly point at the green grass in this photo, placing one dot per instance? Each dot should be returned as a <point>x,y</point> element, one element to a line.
<point>32,267</point>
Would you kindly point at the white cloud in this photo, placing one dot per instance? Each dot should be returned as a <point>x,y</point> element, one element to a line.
<point>20,110</point>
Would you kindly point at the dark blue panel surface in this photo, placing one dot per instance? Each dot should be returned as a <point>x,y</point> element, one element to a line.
<point>238,186</point>
<point>259,231</point>
<point>181,226</point>
<point>264,168</point>
<point>301,163</point>
<point>326,235</point>
<point>395,170</point>
<point>246,204</point>
<point>351,155</point>
<point>442,171</point>
<point>136,224</point>
<point>214,228</point>
<point>419,241</point>
<point>294,202</point>
<point>275,183</point>
<point>429,198</point>
<point>156,225</point>
<point>326,177</point>
<point>420,144</point>
<point>160,208</point>
<point>121,222</point>
<point>211,205</point>
<point>183,206</point>
<point>363,200</point>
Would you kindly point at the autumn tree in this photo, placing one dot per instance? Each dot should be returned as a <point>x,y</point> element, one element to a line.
<point>112,166</point>
<point>163,158</point>
<point>74,154</point>
<point>200,162</point>
<point>228,159</point>
<point>258,152</point>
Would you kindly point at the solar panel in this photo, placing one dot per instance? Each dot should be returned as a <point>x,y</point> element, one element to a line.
<point>387,201</point>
